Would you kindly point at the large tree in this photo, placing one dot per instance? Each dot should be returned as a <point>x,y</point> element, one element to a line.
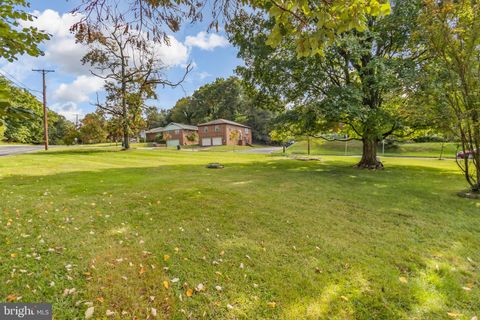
<point>359,79</point>
<point>130,65</point>
<point>155,117</point>
<point>450,31</point>
<point>93,128</point>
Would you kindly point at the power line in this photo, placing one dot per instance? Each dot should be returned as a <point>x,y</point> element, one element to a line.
<point>19,85</point>
<point>20,82</point>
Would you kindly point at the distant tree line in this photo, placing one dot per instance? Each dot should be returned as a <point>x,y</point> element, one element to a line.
<point>229,99</point>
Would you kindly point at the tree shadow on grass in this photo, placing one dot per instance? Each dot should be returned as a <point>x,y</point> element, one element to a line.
<point>76,151</point>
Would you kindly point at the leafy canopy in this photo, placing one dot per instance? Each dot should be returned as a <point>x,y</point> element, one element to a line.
<point>16,39</point>
<point>314,25</point>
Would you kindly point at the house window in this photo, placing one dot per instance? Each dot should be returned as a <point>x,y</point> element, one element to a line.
<point>217,128</point>
<point>247,130</point>
<point>177,131</point>
<point>205,129</point>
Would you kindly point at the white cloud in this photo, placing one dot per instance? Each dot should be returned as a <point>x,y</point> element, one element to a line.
<point>64,55</point>
<point>206,41</point>
<point>172,54</point>
<point>61,50</point>
<point>203,75</point>
<point>79,90</point>
<point>69,110</point>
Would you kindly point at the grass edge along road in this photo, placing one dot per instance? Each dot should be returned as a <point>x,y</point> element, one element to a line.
<point>148,231</point>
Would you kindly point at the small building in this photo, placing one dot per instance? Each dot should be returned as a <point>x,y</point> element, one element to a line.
<point>224,132</point>
<point>151,135</point>
<point>178,134</point>
<point>175,134</point>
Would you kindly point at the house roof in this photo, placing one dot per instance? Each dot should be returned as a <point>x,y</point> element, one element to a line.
<point>155,130</point>
<point>172,126</point>
<point>223,121</point>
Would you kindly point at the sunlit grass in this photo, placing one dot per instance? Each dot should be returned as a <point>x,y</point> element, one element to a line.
<point>323,147</point>
<point>266,237</point>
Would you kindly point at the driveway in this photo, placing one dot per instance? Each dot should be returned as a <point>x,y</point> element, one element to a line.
<point>8,150</point>
<point>261,150</point>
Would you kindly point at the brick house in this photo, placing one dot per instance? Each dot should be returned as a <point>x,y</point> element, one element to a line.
<point>175,134</point>
<point>151,134</point>
<point>219,132</point>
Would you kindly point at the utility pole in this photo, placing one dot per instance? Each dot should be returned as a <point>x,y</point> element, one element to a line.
<point>45,115</point>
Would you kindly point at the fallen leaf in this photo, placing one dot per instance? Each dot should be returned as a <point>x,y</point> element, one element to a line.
<point>89,312</point>
<point>109,313</point>
<point>229,306</point>
<point>454,314</point>
<point>344,298</point>
<point>100,299</point>
<point>166,257</point>
<point>189,292</point>
<point>11,297</point>
<point>154,312</point>
<point>200,287</point>
<point>142,270</point>
<point>403,280</point>
<point>166,284</point>
<point>271,304</point>
<point>218,288</point>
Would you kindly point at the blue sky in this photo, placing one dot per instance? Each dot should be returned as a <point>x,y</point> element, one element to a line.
<point>72,88</point>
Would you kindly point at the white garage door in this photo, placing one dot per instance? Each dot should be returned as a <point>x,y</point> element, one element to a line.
<point>206,142</point>
<point>217,141</point>
<point>173,143</point>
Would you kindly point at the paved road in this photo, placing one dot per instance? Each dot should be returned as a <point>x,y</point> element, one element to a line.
<point>261,150</point>
<point>8,150</point>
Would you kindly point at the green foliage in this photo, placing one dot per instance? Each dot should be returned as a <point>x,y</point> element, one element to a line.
<point>227,99</point>
<point>16,39</point>
<point>93,129</point>
<point>185,111</point>
<point>59,129</point>
<point>155,118</point>
<point>192,137</point>
<point>21,116</point>
<point>314,26</point>
<point>359,80</point>
<point>450,32</point>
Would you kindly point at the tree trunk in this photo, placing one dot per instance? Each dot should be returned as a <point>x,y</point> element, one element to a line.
<point>126,137</point>
<point>369,156</point>
<point>308,143</point>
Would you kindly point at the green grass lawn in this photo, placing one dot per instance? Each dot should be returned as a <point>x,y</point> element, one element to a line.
<point>323,147</point>
<point>266,237</point>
